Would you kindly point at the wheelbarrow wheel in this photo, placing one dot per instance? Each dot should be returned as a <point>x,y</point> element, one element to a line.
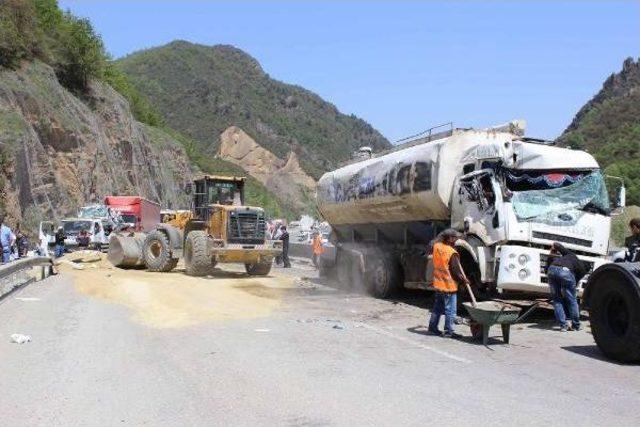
<point>476,330</point>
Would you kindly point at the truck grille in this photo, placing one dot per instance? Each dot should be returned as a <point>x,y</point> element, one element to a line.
<point>247,227</point>
<point>562,239</point>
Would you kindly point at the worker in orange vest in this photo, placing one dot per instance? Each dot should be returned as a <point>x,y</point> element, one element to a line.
<point>318,249</point>
<point>447,276</point>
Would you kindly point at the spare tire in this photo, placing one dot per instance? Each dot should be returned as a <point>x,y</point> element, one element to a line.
<point>258,269</point>
<point>157,253</point>
<point>197,257</point>
<point>614,312</point>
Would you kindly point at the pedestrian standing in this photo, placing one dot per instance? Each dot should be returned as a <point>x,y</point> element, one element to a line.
<point>317,248</point>
<point>7,239</point>
<point>22,243</point>
<point>60,236</point>
<point>284,236</point>
<point>633,242</point>
<point>447,276</point>
<point>564,271</point>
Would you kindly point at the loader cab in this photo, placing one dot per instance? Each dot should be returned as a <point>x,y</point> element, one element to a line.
<point>216,190</point>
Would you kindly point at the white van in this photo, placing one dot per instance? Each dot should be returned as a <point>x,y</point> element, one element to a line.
<point>84,232</point>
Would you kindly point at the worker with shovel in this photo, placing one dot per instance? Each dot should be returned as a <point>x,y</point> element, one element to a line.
<point>447,276</point>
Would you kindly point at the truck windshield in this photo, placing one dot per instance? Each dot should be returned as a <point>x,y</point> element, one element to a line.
<point>543,194</point>
<point>96,211</point>
<point>75,227</point>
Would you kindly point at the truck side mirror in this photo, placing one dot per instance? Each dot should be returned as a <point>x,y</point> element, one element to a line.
<point>188,187</point>
<point>621,199</point>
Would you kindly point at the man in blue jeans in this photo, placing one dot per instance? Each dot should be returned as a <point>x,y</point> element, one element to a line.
<point>6,240</point>
<point>564,271</point>
<point>447,275</point>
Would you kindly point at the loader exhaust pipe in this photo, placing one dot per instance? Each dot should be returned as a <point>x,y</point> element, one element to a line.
<point>125,251</point>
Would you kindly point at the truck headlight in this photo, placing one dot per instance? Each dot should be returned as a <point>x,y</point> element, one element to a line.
<point>523,274</point>
<point>523,259</point>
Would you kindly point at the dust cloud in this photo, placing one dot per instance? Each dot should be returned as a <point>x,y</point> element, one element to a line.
<point>175,300</point>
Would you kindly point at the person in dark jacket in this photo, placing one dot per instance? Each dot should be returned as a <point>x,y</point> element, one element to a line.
<point>633,242</point>
<point>564,271</point>
<point>284,236</point>
<point>60,236</point>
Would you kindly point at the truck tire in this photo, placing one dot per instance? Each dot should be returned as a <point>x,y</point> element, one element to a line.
<point>258,269</point>
<point>156,252</point>
<point>614,312</point>
<point>343,269</point>
<point>382,277</point>
<point>197,259</point>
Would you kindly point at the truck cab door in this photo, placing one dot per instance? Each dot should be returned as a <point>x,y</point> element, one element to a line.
<point>477,206</point>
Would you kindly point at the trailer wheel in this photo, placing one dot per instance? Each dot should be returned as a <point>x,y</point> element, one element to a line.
<point>156,252</point>
<point>197,259</point>
<point>382,277</point>
<point>343,269</point>
<point>258,269</point>
<point>615,318</point>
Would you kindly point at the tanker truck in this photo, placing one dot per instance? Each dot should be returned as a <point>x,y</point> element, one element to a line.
<point>509,195</point>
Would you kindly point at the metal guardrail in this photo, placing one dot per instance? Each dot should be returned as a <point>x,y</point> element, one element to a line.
<point>11,277</point>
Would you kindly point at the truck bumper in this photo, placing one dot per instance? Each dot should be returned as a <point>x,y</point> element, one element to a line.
<point>522,269</point>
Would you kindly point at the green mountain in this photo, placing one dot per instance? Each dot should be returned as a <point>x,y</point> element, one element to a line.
<point>202,90</point>
<point>67,138</point>
<point>608,126</point>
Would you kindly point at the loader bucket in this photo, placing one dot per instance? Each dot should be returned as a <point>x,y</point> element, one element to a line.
<point>125,251</point>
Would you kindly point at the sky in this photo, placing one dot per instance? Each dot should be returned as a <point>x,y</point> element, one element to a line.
<point>405,66</point>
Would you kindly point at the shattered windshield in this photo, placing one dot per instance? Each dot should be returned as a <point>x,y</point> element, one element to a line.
<point>543,194</point>
<point>95,211</point>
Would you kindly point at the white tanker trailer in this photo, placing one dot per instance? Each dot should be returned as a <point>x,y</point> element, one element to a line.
<point>511,196</point>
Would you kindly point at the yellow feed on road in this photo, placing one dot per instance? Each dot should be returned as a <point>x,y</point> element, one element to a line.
<point>174,300</point>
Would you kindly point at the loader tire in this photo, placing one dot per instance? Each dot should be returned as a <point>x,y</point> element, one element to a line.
<point>614,313</point>
<point>197,259</point>
<point>258,269</point>
<point>156,252</point>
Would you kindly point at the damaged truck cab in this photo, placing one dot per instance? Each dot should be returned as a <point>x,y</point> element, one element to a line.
<point>511,196</point>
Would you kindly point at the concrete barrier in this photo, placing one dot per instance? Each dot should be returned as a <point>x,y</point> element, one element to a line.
<point>304,250</point>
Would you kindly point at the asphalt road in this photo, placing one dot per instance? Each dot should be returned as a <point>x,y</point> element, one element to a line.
<point>314,356</point>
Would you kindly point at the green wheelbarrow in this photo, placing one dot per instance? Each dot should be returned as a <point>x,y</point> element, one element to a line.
<point>485,314</point>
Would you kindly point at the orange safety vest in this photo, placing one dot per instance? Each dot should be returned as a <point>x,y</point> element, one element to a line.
<point>317,245</point>
<point>442,279</point>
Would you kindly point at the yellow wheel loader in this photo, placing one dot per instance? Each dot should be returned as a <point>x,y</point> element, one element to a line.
<point>219,228</point>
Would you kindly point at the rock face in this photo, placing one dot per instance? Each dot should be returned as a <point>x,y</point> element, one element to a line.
<point>60,152</point>
<point>285,178</point>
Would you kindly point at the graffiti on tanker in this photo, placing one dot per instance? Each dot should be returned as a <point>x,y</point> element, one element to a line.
<point>378,180</point>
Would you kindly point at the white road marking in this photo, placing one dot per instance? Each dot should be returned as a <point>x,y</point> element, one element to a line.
<point>416,343</point>
<point>27,299</point>
<point>261,330</point>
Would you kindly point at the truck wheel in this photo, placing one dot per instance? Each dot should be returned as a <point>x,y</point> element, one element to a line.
<point>615,318</point>
<point>258,269</point>
<point>197,259</point>
<point>343,269</point>
<point>382,277</point>
<point>156,252</point>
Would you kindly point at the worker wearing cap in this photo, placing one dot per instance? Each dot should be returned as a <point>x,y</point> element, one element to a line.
<point>447,276</point>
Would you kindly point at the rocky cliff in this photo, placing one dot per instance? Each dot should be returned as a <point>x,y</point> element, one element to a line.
<point>60,151</point>
<point>285,178</point>
<point>608,126</point>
